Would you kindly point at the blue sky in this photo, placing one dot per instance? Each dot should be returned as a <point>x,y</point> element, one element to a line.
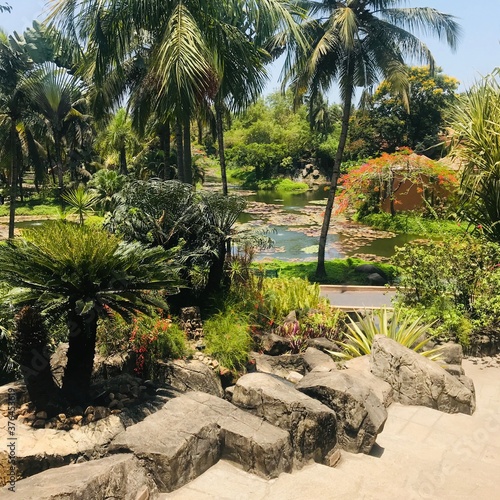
<point>478,52</point>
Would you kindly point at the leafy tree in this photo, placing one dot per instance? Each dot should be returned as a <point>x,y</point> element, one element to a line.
<point>476,126</point>
<point>354,43</point>
<point>81,272</point>
<point>386,122</point>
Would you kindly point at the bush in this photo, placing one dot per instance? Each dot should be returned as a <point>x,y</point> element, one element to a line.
<point>228,340</point>
<point>400,325</point>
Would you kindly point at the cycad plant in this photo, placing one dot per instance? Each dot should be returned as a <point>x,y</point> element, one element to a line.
<point>81,272</point>
<point>400,325</point>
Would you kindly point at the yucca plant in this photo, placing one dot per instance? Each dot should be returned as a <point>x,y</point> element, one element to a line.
<point>80,201</point>
<point>400,325</point>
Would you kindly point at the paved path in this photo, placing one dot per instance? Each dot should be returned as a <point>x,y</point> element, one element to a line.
<point>358,297</point>
<point>422,454</point>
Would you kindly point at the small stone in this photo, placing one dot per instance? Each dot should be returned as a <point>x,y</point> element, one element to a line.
<point>124,388</point>
<point>42,415</point>
<point>134,391</point>
<point>334,458</point>
<point>115,405</point>
<point>39,424</point>
<point>100,412</point>
<point>116,412</point>
<point>62,417</point>
<point>77,419</point>
<point>111,396</point>
<point>89,410</point>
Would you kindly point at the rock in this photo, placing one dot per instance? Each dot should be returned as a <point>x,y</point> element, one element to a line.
<point>417,380</point>
<point>106,367</point>
<point>312,425</point>
<point>39,424</point>
<point>42,415</point>
<point>451,354</point>
<point>119,476</point>
<point>316,360</point>
<point>455,370</point>
<point>360,368</point>
<point>360,414</point>
<point>375,279</point>
<point>274,345</point>
<point>294,377</point>
<point>190,320</point>
<point>322,344</point>
<point>482,344</point>
<point>15,392</point>
<point>189,375</point>
<point>197,430</point>
<point>371,269</point>
<point>291,317</point>
<point>279,365</point>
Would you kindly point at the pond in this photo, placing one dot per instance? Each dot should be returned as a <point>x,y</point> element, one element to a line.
<point>294,221</point>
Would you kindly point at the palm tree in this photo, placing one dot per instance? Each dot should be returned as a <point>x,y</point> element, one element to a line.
<point>356,43</point>
<point>180,45</point>
<point>82,272</point>
<point>12,107</point>
<point>476,124</point>
<point>57,97</point>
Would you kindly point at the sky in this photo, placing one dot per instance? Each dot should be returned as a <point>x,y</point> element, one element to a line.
<point>477,55</point>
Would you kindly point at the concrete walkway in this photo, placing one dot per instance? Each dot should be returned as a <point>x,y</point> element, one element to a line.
<point>422,454</point>
<point>358,297</point>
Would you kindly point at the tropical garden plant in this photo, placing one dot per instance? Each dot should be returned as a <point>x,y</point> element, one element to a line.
<point>400,325</point>
<point>79,272</point>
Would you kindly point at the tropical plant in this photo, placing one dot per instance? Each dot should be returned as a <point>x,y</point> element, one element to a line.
<point>79,272</point>
<point>355,43</point>
<point>228,340</point>
<point>476,124</point>
<point>400,325</point>
<point>80,201</point>
<point>106,184</point>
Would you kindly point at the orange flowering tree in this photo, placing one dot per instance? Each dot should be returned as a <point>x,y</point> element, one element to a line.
<point>383,182</point>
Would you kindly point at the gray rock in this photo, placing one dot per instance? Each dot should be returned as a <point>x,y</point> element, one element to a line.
<point>197,429</point>
<point>318,361</point>
<point>15,392</point>
<point>371,269</point>
<point>451,354</point>
<point>189,375</point>
<point>455,370</point>
<point>360,414</point>
<point>360,368</point>
<point>279,365</point>
<point>312,425</point>
<point>119,476</point>
<point>274,344</point>
<point>323,344</point>
<point>419,381</point>
<point>377,279</point>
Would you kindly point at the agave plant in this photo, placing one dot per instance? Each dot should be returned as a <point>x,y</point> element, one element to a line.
<point>400,325</point>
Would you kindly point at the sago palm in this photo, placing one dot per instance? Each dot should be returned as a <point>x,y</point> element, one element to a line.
<point>356,43</point>
<point>81,272</point>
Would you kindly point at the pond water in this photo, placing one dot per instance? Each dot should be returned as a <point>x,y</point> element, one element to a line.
<point>294,220</point>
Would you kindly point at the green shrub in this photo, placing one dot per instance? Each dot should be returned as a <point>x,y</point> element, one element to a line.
<point>400,325</point>
<point>228,340</point>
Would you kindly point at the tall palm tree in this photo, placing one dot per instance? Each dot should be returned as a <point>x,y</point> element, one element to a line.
<point>13,64</point>
<point>356,43</point>
<point>82,272</point>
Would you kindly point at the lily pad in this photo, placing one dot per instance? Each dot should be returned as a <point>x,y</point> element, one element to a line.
<point>310,249</point>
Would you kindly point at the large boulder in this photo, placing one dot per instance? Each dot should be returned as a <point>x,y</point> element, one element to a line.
<point>118,476</point>
<point>192,432</point>
<point>274,345</point>
<point>360,414</point>
<point>318,361</point>
<point>284,366</point>
<point>419,381</point>
<point>189,375</point>
<point>312,425</point>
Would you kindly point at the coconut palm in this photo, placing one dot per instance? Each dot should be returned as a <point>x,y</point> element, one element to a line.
<point>356,43</point>
<point>83,272</point>
<point>476,125</point>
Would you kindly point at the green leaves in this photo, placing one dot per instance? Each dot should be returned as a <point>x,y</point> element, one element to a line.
<point>81,201</point>
<point>400,325</point>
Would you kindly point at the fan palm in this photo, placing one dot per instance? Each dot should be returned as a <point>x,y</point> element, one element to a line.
<point>82,271</point>
<point>355,43</point>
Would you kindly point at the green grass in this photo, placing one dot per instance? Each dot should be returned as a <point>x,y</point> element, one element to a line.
<point>33,207</point>
<point>282,185</point>
<point>339,271</point>
<point>413,224</point>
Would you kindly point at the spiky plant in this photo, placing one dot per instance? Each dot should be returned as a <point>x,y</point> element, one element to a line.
<point>402,326</point>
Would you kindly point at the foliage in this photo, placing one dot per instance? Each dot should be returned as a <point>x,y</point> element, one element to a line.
<point>81,201</point>
<point>106,184</point>
<point>285,185</point>
<point>400,325</point>
<point>156,338</point>
<point>476,126</point>
<point>77,270</point>
<point>8,368</point>
<point>413,223</point>
<point>282,295</point>
<point>386,122</point>
<point>378,180</point>
<point>339,271</point>
<point>228,340</point>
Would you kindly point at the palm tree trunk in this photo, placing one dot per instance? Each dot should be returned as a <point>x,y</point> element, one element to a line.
<point>188,168</point>
<point>81,350</point>
<point>346,113</point>
<point>180,150</point>
<point>220,141</point>
<point>13,181</point>
<point>123,161</point>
